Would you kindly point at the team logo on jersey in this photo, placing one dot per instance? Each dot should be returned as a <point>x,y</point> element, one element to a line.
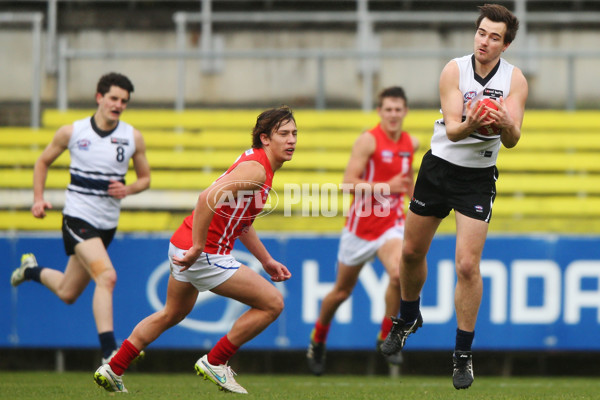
<point>479,209</point>
<point>84,144</point>
<point>470,95</point>
<point>493,93</point>
<point>119,141</point>
<point>387,156</point>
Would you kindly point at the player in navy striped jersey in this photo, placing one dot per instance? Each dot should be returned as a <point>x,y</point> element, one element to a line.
<point>100,148</point>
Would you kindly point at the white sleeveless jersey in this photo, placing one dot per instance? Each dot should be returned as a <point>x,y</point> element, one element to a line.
<point>474,151</point>
<point>95,160</point>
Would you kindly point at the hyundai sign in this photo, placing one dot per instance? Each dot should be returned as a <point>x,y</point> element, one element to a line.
<point>540,292</point>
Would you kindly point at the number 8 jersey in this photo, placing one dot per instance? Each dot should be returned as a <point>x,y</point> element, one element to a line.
<point>97,157</point>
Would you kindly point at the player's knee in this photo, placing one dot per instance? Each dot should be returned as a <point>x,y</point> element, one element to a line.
<point>173,317</point>
<point>275,305</point>
<point>68,293</point>
<point>107,279</point>
<point>69,298</point>
<point>394,275</point>
<point>342,294</point>
<point>103,272</point>
<point>395,281</point>
<point>412,256</point>
<point>338,294</point>
<point>467,269</point>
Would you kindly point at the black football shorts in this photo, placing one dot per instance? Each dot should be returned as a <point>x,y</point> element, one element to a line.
<point>442,186</point>
<point>76,230</point>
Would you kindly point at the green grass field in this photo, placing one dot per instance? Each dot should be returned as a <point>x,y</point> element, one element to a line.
<point>80,385</point>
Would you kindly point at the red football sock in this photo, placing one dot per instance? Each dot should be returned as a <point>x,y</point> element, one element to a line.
<point>126,354</point>
<point>386,327</point>
<point>222,351</point>
<point>320,332</point>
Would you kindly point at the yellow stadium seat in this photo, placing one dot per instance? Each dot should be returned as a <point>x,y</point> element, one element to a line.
<point>549,183</point>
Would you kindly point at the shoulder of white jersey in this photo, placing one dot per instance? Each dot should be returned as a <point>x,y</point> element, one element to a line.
<point>82,123</point>
<point>462,59</point>
<point>506,66</point>
<point>126,125</point>
<point>79,127</point>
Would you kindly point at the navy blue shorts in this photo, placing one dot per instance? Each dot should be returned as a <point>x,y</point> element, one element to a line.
<point>76,230</point>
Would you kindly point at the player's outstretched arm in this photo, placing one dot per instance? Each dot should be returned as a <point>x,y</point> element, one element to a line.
<point>59,143</point>
<point>276,270</point>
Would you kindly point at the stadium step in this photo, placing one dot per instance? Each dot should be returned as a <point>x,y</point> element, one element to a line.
<point>549,182</point>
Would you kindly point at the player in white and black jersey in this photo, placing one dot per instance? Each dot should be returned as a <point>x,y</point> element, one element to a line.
<point>100,148</point>
<point>459,172</point>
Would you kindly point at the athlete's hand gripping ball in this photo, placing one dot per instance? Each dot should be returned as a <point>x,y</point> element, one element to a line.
<point>488,106</point>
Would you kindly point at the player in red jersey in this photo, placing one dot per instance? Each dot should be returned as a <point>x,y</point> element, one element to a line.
<point>201,260</point>
<point>380,174</point>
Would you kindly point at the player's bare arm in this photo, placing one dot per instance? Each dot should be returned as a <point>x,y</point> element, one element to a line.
<point>141,166</point>
<point>451,99</point>
<point>244,177</point>
<point>59,143</point>
<point>363,149</point>
<point>513,110</point>
<point>252,242</point>
<point>276,270</point>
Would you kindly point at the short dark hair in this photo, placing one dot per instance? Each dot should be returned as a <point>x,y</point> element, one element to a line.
<point>269,121</point>
<point>393,91</point>
<point>114,79</point>
<point>498,13</point>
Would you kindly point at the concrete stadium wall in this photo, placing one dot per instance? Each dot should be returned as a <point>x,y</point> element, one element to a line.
<point>291,81</point>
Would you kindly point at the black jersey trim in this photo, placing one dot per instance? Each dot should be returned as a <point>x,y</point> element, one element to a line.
<point>479,79</point>
<point>114,175</point>
<point>100,132</point>
<point>70,189</point>
<point>90,183</point>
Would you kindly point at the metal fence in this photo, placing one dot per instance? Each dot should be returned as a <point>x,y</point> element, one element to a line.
<point>35,19</point>
<point>367,50</point>
<point>67,54</point>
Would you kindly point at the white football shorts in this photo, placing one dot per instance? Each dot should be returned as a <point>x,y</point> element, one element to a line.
<point>208,272</point>
<point>354,251</point>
